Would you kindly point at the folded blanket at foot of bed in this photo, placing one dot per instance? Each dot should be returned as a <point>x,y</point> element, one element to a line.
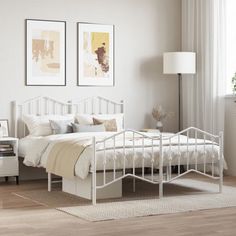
<point>64,155</point>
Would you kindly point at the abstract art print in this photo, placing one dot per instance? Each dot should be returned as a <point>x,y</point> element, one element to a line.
<point>45,53</point>
<point>95,54</point>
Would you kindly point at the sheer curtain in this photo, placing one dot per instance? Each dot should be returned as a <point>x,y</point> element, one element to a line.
<point>203,31</point>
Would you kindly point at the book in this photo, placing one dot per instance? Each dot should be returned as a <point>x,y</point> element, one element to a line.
<point>6,149</point>
<point>7,154</point>
<point>5,145</point>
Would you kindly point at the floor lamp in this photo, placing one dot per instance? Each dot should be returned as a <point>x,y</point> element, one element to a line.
<point>179,63</point>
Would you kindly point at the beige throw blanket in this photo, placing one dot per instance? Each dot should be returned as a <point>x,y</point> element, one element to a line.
<point>64,155</point>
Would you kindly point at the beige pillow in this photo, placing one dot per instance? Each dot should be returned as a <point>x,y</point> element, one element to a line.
<point>110,125</point>
<point>87,119</point>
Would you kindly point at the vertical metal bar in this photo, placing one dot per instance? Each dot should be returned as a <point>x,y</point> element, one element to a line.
<point>54,107</point>
<point>30,108</point>
<point>47,106</point>
<point>49,182</point>
<point>179,154</point>
<point>16,117</point>
<point>94,180</point>
<point>92,105</point>
<point>104,162</point>
<point>124,153</point>
<point>107,107</point>
<point>204,155</point>
<point>133,162</point>
<point>122,111</point>
<point>38,107</point>
<point>100,105</point>
<point>187,150</point>
<point>195,151</point>
<point>161,169</point>
<point>143,156</point>
<point>114,158</point>
<point>221,144</point>
<point>152,160</point>
<point>65,110</point>
<point>212,157</point>
<point>170,151</point>
<point>85,107</point>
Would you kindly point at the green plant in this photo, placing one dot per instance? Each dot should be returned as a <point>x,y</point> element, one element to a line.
<point>234,84</point>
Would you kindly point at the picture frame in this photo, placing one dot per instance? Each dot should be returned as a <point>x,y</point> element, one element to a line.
<point>45,44</point>
<point>5,127</point>
<point>95,54</point>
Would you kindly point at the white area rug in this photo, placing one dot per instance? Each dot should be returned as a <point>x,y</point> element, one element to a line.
<point>207,198</point>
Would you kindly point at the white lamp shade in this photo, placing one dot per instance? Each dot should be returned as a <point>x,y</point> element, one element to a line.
<point>179,63</point>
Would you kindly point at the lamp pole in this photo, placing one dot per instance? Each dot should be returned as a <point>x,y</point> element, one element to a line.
<point>180,95</point>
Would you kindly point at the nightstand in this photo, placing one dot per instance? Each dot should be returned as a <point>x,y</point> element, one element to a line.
<point>9,165</point>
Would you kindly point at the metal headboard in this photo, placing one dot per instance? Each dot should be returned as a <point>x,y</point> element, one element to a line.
<point>43,105</point>
<point>37,106</point>
<point>97,105</point>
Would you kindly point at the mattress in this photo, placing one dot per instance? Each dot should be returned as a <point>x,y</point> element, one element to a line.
<point>37,149</point>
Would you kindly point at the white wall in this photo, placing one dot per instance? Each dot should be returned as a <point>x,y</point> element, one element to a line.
<point>230,135</point>
<point>144,29</point>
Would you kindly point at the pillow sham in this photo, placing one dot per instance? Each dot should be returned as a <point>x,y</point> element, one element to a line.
<point>110,125</point>
<point>40,125</point>
<point>61,126</point>
<point>87,119</point>
<point>88,128</point>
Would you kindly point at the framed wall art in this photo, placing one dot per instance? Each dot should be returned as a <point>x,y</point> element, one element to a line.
<point>4,128</point>
<point>95,54</point>
<point>45,53</point>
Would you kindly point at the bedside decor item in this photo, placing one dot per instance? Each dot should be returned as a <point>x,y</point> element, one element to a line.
<point>4,128</point>
<point>159,114</point>
<point>95,55</point>
<point>179,63</point>
<point>234,84</point>
<point>45,53</point>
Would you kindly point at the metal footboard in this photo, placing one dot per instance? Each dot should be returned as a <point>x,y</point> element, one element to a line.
<point>158,145</point>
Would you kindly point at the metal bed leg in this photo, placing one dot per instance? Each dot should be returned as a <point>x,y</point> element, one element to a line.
<point>94,197</point>
<point>49,182</point>
<point>134,185</point>
<point>161,169</point>
<point>221,143</point>
<point>160,190</point>
<point>94,181</point>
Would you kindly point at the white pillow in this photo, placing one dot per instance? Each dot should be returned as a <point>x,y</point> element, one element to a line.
<point>87,119</point>
<point>40,125</point>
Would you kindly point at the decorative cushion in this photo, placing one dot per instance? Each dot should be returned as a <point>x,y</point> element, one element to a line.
<point>88,128</point>
<point>40,125</point>
<point>110,125</point>
<point>87,119</point>
<point>61,126</point>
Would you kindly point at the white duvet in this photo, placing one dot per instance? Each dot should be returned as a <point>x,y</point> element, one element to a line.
<point>36,149</point>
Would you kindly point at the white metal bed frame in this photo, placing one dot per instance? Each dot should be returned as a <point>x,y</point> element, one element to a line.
<point>92,105</point>
<point>44,105</point>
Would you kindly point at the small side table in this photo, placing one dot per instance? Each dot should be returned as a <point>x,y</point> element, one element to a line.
<point>9,165</point>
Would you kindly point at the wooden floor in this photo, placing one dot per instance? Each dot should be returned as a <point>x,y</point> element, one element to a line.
<point>19,216</point>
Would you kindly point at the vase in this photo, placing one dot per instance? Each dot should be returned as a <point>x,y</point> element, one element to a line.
<point>159,126</point>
